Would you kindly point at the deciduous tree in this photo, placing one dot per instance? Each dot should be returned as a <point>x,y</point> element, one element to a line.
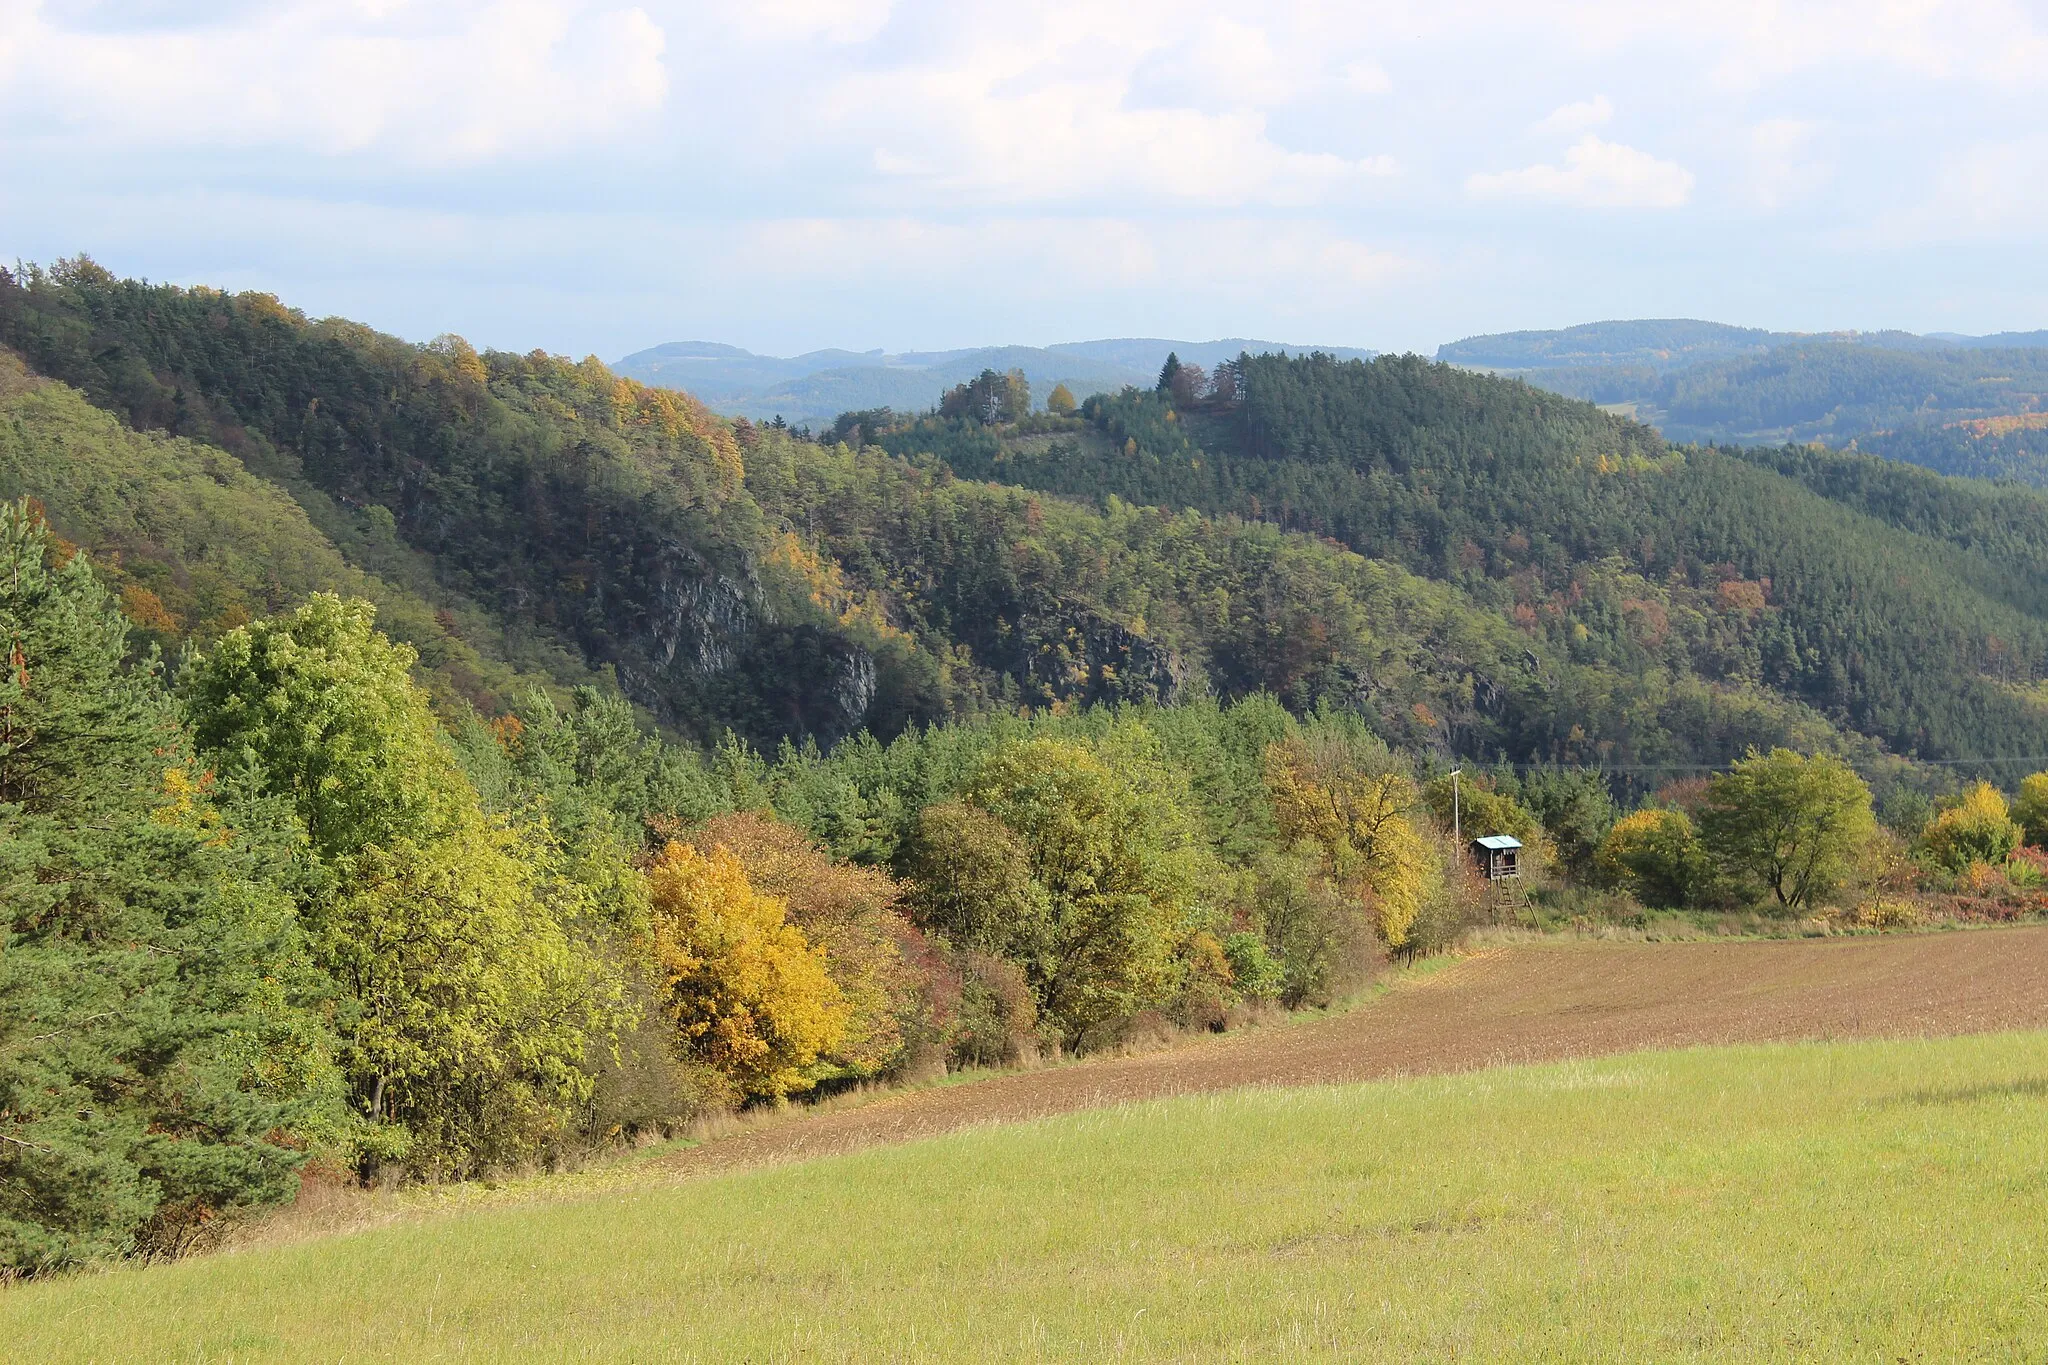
<point>1791,824</point>
<point>749,996</point>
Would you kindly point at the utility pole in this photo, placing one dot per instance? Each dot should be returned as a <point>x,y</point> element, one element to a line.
<point>1457,815</point>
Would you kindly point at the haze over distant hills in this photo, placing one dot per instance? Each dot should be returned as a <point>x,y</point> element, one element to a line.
<point>1665,344</point>
<point>1969,405</point>
<point>819,385</point>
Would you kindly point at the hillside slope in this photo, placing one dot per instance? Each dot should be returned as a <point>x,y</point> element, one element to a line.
<point>198,544</point>
<point>1596,538</point>
<point>734,577</point>
<point>1599,598</point>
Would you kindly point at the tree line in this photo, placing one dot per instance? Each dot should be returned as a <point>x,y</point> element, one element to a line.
<point>266,907</point>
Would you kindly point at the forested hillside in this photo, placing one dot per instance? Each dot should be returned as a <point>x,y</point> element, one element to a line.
<point>732,576</point>
<point>1892,616</point>
<point>1597,595</point>
<point>1976,407</point>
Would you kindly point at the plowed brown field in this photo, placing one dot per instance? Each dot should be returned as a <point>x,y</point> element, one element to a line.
<point>1537,1002</point>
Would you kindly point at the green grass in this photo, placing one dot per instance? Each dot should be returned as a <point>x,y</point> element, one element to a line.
<point>1869,1201</point>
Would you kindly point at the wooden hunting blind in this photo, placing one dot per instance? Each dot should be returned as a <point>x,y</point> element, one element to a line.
<point>1498,856</point>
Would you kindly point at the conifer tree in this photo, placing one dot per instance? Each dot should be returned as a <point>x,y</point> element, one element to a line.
<point>135,1089</point>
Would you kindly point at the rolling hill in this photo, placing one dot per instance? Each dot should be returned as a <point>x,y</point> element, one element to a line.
<point>1481,567</point>
<point>1964,405</point>
<point>1918,616</point>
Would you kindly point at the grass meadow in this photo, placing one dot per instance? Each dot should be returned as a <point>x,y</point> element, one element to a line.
<point>1858,1201</point>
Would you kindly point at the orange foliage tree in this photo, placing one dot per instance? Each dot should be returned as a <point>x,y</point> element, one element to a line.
<point>849,913</point>
<point>751,998</point>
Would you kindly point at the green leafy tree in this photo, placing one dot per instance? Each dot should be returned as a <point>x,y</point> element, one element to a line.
<point>1114,865</point>
<point>1792,824</point>
<point>462,950</point>
<point>1656,856</point>
<point>145,1062</point>
<point>974,883</point>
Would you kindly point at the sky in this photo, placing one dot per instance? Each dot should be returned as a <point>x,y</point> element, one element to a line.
<point>593,177</point>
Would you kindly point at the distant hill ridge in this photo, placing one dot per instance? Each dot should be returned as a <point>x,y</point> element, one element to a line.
<point>1673,343</point>
<point>819,385</point>
<point>1958,404</point>
<point>1678,342</point>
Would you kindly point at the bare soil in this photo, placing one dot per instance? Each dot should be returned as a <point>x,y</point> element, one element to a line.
<point>1525,1003</point>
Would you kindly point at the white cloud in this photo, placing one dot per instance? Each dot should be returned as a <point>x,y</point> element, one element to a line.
<point>1366,78</point>
<point>1596,174</point>
<point>996,139</point>
<point>1305,146</point>
<point>431,83</point>
<point>1575,118</point>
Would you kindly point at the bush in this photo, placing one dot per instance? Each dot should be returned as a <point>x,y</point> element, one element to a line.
<point>1977,829</point>
<point>2031,809</point>
<point>1655,856</point>
<point>1257,975</point>
<point>1324,940</point>
<point>848,913</point>
<point>1886,913</point>
<point>997,1024</point>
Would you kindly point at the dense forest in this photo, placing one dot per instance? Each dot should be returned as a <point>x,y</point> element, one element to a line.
<point>418,763</point>
<point>519,513</point>
<point>1913,617</point>
<point>1967,406</point>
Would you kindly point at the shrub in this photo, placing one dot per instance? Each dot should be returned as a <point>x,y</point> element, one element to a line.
<point>1977,829</point>
<point>1208,986</point>
<point>998,1020</point>
<point>1886,913</point>
<point>1257,975</point>
<point>1324,940</point>
<point>2031,809</point>
<point>1655,856</point>
<point>2027,868</point>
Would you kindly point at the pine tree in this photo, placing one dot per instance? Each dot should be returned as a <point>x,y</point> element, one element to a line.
<point>1168,372</point>
<point>140,1058</point>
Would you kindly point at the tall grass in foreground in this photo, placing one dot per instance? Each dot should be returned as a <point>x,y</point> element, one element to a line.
<point>1825,1201</point>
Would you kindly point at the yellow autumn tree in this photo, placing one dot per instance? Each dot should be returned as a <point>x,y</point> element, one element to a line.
<point>1654,855</point>
<point>751,998</point>
<point>848,913</point>
<point>1363,820</point>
